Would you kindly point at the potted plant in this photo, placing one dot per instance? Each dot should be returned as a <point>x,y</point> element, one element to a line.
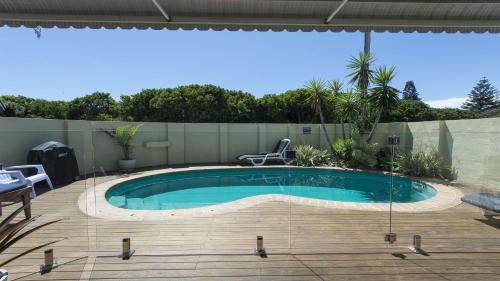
<point>124,135</point>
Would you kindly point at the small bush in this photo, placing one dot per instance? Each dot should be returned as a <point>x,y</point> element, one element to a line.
<point>423,164</point>
<point>355,153</point>
<point>384,158</point>
<point>342,152</point>
<point>365,154</point>
<point>309,156</point>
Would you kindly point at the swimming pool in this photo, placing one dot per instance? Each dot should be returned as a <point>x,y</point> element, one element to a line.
<point>201,188</point>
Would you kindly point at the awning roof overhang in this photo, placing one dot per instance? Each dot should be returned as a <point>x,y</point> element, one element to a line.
<point>263,15</point>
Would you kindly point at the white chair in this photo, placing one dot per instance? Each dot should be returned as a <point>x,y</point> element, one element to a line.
<point>40,176</point>
<point>14,188</point>
<point>278,153</point>
<point>11,180</point>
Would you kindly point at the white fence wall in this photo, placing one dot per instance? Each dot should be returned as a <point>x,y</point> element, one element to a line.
<point>471,145</point>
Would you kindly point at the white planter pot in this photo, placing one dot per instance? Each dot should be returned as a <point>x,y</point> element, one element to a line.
<point>4,275</point>
<point>126,165</point>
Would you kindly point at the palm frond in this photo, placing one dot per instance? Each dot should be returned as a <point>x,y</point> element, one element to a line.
<point>382,94</point>
<point>316,90</point>
<point>335,87</point>
<point>360,73</point>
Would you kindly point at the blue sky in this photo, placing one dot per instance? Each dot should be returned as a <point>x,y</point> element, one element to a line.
<point>66,63</point>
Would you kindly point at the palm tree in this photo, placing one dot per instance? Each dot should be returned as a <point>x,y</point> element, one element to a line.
<point>317,95</point>
<point>361,75</point>
<point>383,96</point>
<point>335,88</point>
<point>347,107</point>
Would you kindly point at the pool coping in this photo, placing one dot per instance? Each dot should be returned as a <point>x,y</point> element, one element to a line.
<point>93,201</point>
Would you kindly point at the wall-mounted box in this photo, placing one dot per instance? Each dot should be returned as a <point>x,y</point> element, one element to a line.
<point>156,144</point>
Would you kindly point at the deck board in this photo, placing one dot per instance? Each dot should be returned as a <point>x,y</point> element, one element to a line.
<point>304,243</point>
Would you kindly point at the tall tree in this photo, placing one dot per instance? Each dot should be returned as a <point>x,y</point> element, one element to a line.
<point>410,91</point>
<point>297,109</point>
<point>96,106</point>
<point>317,95</point>
<point>482,97</point>
<point>335,88</point>
<point>360,75</point>
<point>347,107</point>
<point>383,96</point>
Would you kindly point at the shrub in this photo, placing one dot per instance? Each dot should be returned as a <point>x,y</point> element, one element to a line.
<point>354,153</point>
<point>124,136</point>
<point>342,152</point>
<point>365,154</point>
<point>309,156</point>
<point>384,158</point>
<point>423,164</point>
<point>96,106</point>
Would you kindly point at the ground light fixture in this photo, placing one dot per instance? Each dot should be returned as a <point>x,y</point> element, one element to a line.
<point>417,246</point>
<point>49,262</point>
<point>126,251</point>
<point>260,250</point>
<point>393,141</point>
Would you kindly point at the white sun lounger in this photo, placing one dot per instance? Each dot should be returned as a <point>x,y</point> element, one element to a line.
<point>40,176</point>
<point>278,153</point>
<point>489,202</point>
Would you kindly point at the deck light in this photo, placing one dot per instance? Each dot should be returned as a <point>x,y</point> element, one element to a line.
<point>393,141</point>
<point>260,250</point>
<point>50,263</point>
<point>390,237</point>
<point>126,251</point>
<point>417,244</point>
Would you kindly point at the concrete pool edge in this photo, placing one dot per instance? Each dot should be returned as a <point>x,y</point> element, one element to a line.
<point>93,201</point>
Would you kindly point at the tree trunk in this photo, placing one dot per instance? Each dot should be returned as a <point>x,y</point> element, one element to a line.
<point>370,136</point>
<point>364,86</point>
<point>367,42</point>
<point>363,110</point>
<point>350,127</point>
<point>343,127</point>
<point>322,119</point>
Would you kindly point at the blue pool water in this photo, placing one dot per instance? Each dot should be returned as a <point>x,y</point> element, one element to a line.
<point>203,188</point>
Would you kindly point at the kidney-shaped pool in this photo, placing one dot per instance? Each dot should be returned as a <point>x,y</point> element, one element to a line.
<point>193,189</point>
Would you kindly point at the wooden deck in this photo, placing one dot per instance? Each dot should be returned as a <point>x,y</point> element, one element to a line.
<point>303,243</point>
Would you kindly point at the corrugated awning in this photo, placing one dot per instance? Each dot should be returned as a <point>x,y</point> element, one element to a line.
<point>262,15</point>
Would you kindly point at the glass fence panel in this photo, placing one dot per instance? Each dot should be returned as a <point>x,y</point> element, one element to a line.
<point>188,196</point>
<point>192,197</point>
<point>448,161</point>
<point>187,193</point>
<point>45,170</point>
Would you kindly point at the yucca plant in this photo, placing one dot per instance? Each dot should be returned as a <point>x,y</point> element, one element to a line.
<point>124,135</point>
<point>355,153</point>
<point>423,164</point>
<point>335,88</point>
<point>317,95</point>
<point>309,156</point>
<point>347,107</point>
<point>383,96</point>
<point>342,152</point>
<point>361,75</point>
